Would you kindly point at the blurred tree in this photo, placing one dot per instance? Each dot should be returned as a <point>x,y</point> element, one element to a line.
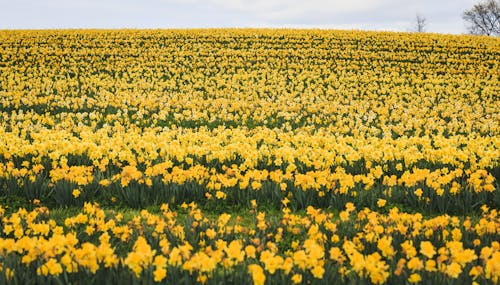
<point>484,18</point>
<point>420,24</point>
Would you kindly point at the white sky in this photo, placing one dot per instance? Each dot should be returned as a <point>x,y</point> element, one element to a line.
<point>443,16</point>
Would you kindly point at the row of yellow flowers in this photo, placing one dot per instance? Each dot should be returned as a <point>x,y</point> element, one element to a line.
<point>478,181</point>
<point>357,245</point>
<point>315,148</point>
<point>240,158</point>
<point>426,187</point>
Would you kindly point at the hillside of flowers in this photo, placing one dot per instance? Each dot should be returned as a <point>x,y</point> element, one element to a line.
<point>271,156</point>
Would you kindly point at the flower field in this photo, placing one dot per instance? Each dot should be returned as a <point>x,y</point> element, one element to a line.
<point>263,156</point>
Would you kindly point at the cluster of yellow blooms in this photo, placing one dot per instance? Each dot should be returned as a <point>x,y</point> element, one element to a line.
<point>354,246</point>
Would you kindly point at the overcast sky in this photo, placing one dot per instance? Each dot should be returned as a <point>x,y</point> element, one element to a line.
<point>443,16</point>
